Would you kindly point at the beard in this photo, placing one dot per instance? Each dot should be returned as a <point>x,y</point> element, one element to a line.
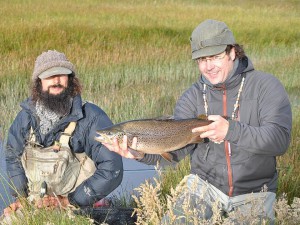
<point>60,103</point>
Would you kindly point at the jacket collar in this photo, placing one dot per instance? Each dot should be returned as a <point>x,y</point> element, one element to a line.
<point>76,109</point>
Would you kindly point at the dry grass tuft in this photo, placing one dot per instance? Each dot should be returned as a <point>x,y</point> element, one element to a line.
<point>148,205</point>
<point>154,208</point>
<point>288,214</point>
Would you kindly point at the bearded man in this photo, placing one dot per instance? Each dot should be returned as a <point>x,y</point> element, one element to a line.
<point>61,123</point>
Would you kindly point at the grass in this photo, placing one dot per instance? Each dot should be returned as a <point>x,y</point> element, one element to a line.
<point>31,215</point>
<point>153,206</point>
<point>133,57</point>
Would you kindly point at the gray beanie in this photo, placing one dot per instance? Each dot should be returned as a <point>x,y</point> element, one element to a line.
<point>52,63</point>
<point>210,37</point>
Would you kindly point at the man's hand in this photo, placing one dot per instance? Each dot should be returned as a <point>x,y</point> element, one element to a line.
<point>49,202</point>
<point>122,149</point>
<point>12,208</point>
<point>52,202</point>
<point>216,131</point>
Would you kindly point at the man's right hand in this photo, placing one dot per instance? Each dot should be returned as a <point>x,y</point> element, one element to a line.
<point>122,149</point>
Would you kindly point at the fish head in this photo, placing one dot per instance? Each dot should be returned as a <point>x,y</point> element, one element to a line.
<point>109,134</point>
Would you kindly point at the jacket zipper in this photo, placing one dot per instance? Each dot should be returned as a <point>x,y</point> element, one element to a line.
<point>227,148</point>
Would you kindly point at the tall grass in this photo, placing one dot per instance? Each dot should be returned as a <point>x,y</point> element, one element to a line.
<point>133,57</point>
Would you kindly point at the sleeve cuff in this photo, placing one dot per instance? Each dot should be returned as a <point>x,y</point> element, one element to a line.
<point>229,134</point>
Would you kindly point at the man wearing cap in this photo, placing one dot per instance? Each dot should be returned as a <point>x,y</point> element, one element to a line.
<point>55,103</point>
<point>252,125</point>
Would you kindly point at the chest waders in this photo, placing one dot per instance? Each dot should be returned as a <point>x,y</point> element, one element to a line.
<point>55,170</point>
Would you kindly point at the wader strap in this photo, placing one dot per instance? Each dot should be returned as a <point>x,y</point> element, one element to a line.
<point>66,135</point>
<point>63,140</point>
<point>31,136</point>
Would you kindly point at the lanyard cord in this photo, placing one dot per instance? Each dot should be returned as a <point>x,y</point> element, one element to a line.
<point>236,105</point>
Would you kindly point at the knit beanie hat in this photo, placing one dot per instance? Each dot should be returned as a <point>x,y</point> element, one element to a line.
<point>52,63</point>
<point>210,37</point>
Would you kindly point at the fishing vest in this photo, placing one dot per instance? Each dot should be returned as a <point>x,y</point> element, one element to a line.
<point>55,170</point>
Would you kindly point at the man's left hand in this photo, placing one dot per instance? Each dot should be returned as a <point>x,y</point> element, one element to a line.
<point>52,202</point>
<point>216,131</point>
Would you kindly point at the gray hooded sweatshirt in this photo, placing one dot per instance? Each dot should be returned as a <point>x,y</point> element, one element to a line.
<point>261,132</point>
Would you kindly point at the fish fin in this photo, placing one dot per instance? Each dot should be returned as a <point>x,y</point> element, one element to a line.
<point>165,117</point>
<point>202,117</point>
<point>136,154</point>
<point>167,156</point>
<point>196,139</point>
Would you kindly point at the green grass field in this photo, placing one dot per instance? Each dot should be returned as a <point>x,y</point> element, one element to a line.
<point>133,57</point>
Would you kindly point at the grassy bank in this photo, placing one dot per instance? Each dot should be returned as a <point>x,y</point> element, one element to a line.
<point>133,57</point>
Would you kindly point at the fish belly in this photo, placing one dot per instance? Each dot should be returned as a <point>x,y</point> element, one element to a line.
<point>160,144</point>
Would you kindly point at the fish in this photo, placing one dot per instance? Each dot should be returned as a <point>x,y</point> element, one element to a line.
<point>155,136</point>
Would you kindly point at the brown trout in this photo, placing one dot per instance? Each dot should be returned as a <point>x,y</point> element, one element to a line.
<point>155,136</point>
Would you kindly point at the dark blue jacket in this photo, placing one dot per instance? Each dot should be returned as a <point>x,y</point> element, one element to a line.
<point>89,118</point>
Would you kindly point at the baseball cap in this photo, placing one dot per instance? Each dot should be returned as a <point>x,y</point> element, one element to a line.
<point>54,71</point>
<point>210,37</point>
<point>52,63</point>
